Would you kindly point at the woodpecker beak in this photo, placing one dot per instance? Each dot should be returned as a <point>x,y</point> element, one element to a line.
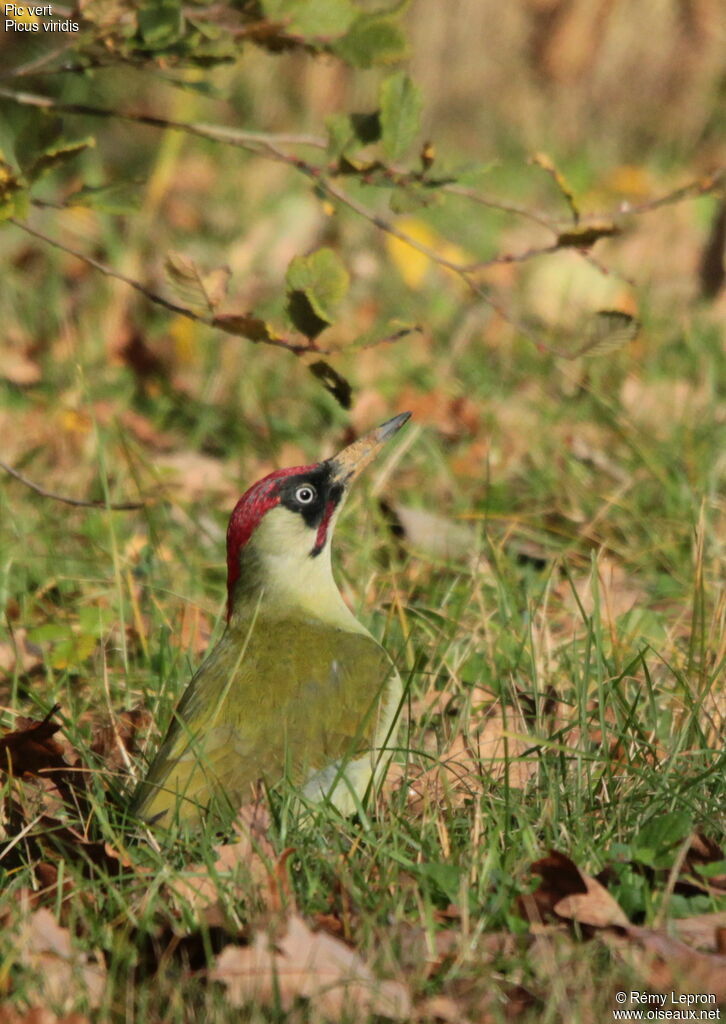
<point>351,462</point>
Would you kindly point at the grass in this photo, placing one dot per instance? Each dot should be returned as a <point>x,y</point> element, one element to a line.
<point>564,671</point>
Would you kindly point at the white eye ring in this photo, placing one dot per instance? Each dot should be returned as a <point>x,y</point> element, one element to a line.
<point>305,494</point>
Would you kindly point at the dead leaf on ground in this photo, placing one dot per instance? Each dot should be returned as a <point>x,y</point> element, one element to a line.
<point>19,369</point>
<point>19,655</point>
<point>453,416</point>
<point>252,857</point>
<point>491,743</point>
<point>31,748</point>
<point>663,962</point>
<point>703,931</point>
<point>194,476</point>
<point>113,741</point>
<point>661,405</point>
<point>308,965</point>
<point>568,893</point>
<point>39,1015</point>
<point>61,972</point>
<point>617,592</point>
<point>432,534</point>
<point>668,964</point>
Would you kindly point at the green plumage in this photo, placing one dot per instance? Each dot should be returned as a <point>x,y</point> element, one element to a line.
<point>273,699</point>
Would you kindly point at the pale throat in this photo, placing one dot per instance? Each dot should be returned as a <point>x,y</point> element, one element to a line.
<point>280,578</point>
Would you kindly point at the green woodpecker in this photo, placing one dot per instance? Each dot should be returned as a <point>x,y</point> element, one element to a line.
<point>296,687</point>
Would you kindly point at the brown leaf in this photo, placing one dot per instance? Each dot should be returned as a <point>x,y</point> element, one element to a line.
<point>31,749</point>
<point>432,534</point>
<point>19,369</point>
<point>704,931</point>
<point>113,739</point>
<point>19,655</point>
<point>308,965</point>
<point>669,965</point>
<point>39,1015</point>
<point>252,857</point>
<point>569,893</point>
<point>246,326</point>
<point>46,949</point>
<point>202,291</point>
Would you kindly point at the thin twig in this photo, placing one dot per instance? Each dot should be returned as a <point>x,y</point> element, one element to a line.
<point>125,506</point>
<point>297,348</point>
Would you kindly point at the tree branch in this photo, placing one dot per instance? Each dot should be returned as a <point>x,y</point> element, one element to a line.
<point>124,506</point>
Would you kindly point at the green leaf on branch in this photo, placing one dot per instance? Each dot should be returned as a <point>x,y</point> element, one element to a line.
<point>372,39</point>
<point>316,284</point>
<point>314,18</point>
<point>401,106</point>
<point>160,22</point>
<point>40,145</point>
<point>57,155</point>
<point>333,382</point>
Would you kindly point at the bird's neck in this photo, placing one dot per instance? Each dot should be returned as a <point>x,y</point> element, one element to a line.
<point>280,585</point>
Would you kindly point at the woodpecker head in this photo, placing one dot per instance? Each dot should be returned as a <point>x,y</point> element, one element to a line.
<point>279,534</point>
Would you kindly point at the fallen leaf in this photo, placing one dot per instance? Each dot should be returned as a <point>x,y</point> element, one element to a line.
<point>668,964</point>
<point>39,1015</point>
<point>251,856</point>
<point>19,369</point>
<point>703,931</point>
<point>617,591</point>
<point>569,893</point>
<point>19,655</point>
<point>308,965</point>
<point>112,740</point>
<point>31,749</point>
<point>61,973</point>
<point>432,534</point>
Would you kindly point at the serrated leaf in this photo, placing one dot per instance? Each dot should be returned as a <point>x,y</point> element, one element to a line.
<point>160,22</point>
<point>245,325</point>
<point>401,106</point>
<point>316,18</point>
<point>607,331</point>
<point>60,153</point>
<point>333,382</point>
<point>372,40</point>
<point>323,282</point>
<point>216,283</point>
<point>198,289</point>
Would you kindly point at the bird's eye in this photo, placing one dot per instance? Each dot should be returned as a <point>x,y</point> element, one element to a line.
<point>305,494</point>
